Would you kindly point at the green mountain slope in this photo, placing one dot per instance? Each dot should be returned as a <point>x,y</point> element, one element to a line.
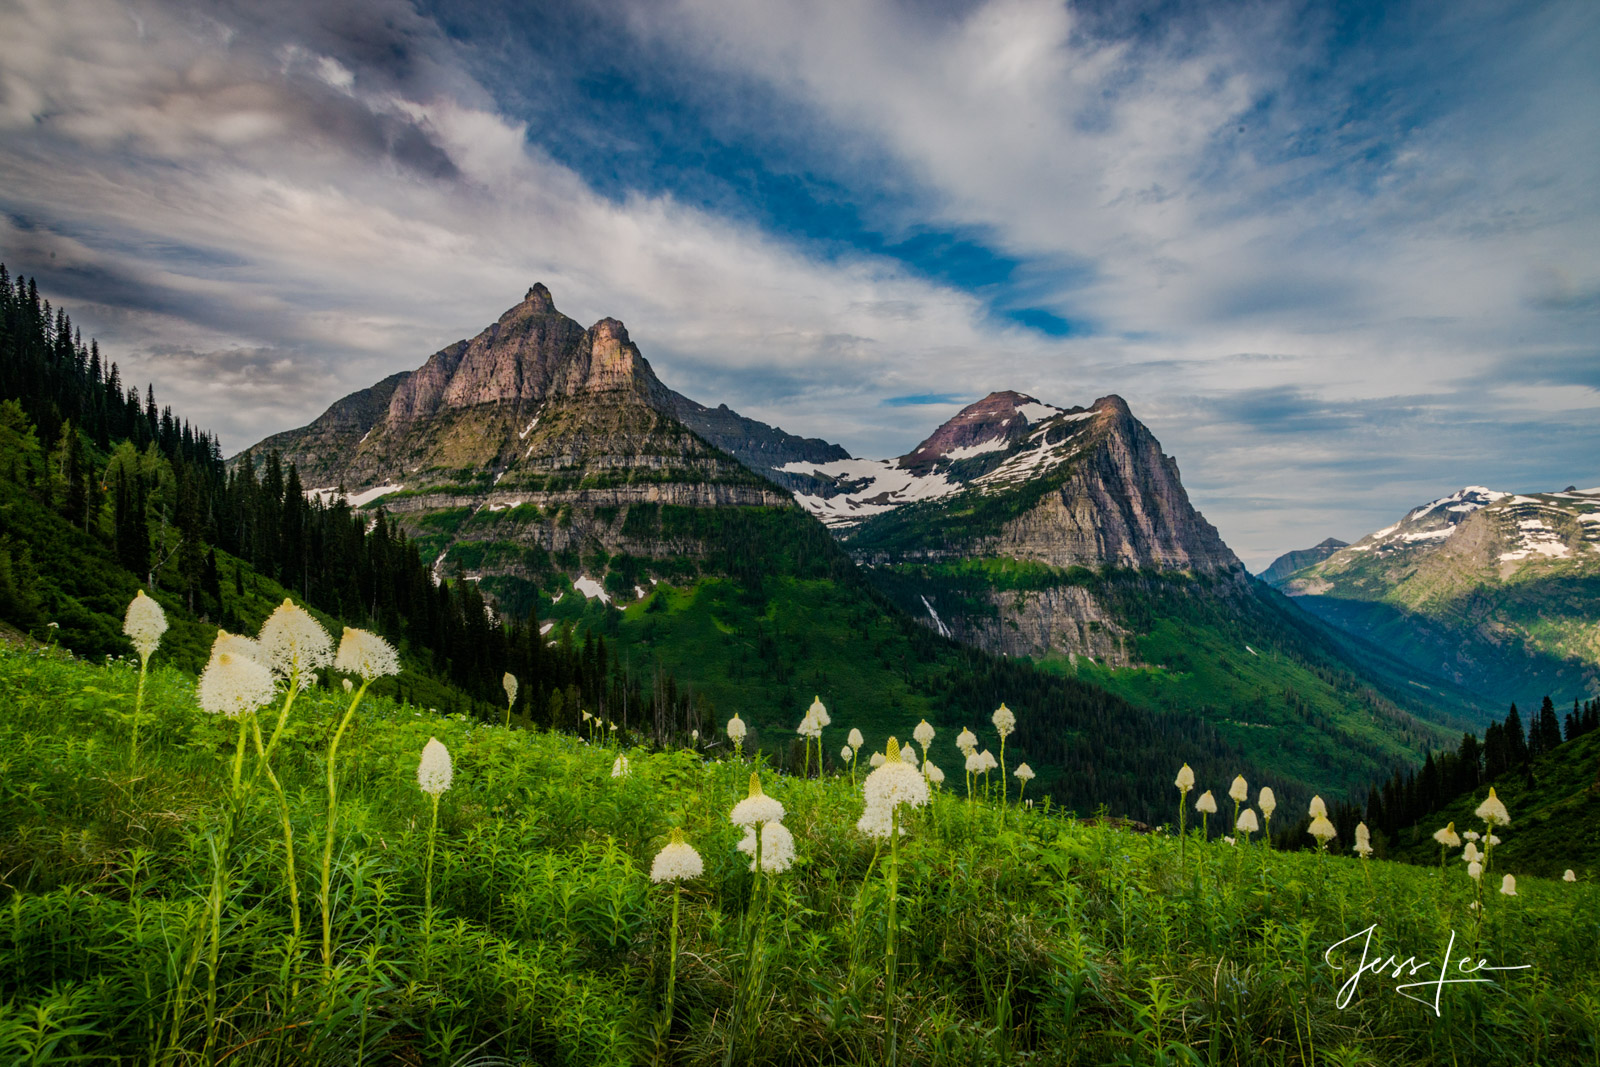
<point>1554,803</point>
<point>1497,592</point>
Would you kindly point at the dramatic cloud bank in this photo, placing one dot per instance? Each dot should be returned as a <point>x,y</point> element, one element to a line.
<point>1340,261</point>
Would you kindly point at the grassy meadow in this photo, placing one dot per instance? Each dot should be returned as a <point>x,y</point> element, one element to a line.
<point>1023,936</point>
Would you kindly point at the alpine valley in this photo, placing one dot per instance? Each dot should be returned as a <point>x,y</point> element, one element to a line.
<point>1046,556</point>
<point>1495,591</point>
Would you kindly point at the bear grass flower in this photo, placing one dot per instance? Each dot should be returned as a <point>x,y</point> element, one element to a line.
<point>677,861</point>
<point>1023,774</point>
<point>365,654</point>
<point>1363,846</point>
<point>144,624</point>
<point>757,808</point>
<point>857,742</point>
<point>295,642</point>
<point>1474,870</point>
<point>1268,804</point>
<point>619,767</point>
<point>1508,885</point>
<point>1471,852</point>
<point>876,760</point>
<point>1247,823</point>
<point>434,772</point>
<point>232,685</point>
<point>1447,836</point>
<point>777,847</point>
<point>1317,809</point>
<point>1493,811</point>
<point>846,754</point>
<point>923,735</point>
<point>1569,876</point>
<point>1004,723</point>
<point>819,713</point>
<point>736,732</point>
<point>508,682</point>
<point>1185,782</point>
<point>1322,830</point>
<point>433,778</point>
<point>967,741</point>
<point>932,773</point>
<point>1238,792</point>
<point>1206,805</point>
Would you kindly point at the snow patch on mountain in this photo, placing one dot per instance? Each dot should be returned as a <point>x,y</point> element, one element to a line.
<point>591,589</point>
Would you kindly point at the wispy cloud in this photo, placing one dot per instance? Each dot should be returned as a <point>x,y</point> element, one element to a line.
<point>1339,260</point>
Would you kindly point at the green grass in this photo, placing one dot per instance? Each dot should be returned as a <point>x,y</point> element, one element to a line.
<point>1044,940</point>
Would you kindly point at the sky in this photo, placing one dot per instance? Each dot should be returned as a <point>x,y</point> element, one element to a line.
<point>1342,259</point>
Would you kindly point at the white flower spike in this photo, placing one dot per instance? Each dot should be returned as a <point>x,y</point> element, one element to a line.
<point>144,624</point>
<point>366,654</point>
<point>777,847</point>
<point>677,861</point>
<point>232,685</point>
<point>434,772</point>
<point>295,642</point>
<point>756,809</point>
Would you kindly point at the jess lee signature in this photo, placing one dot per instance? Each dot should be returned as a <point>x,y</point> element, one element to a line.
<point>1409,968</point>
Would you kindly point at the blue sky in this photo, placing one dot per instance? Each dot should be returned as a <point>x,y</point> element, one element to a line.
<point>1341,258</point>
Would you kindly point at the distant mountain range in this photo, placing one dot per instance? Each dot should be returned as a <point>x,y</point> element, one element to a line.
<point>550,464</point>
<point>1495,591</point>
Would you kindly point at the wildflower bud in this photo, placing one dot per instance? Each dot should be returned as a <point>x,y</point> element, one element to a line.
<point>348,685</point>
<point>857,742</point>
<point>434,772</point>
<point>847,753</point>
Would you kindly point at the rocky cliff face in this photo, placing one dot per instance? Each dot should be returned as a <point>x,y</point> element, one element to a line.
<point>1012,479</point>
<point>533,445</point>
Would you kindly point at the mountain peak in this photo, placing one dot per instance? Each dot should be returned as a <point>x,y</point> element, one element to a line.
<point>997,421</point>
<point>539,299</point>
